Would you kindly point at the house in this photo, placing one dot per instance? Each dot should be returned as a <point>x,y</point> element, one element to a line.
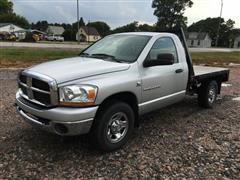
<point>237,42</point>
<point>200,40</point>
<point>55,30</point>
<point>9,28</point>
<point>87,33</point>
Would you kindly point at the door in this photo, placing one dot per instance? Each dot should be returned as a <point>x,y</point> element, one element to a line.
<point>162,84</point>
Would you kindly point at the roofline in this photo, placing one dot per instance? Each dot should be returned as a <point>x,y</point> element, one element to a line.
<point>6,24</point>
<point>152,34</point>
<point>87,32</point>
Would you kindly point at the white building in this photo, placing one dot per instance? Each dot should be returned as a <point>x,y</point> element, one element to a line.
<point>237,42</point>
<point>12,29</point>
<point>55,30</point>
<point>200,40</point>
<point>87,33</point>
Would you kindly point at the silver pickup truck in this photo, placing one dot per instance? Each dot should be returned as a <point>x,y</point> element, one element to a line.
<point>114,81</point>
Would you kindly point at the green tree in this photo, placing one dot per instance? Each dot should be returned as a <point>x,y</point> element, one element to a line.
<point>40,25</point>
<point>102,27</point>
<point>74,29</point>
<point>6,7</point>
<point>81,22</point>
<point>233,34</point>
<point>75,24</point>
<point>170,13</point>
<point>210,25</point>
<point>15,19</point>
<point>8,16</point>
<point>132,27</point>
<point>146,28</point>
<point>68,33</point>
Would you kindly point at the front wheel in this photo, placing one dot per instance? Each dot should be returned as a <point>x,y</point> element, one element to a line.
<point>207,94</point>
<point>113,126</point>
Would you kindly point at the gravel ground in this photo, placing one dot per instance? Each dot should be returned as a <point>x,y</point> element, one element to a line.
<point>181,141</point>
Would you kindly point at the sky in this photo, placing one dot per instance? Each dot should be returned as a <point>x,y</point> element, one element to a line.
<point>118,12</point>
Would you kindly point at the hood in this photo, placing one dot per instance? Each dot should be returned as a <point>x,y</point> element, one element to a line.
<point>76,68</point>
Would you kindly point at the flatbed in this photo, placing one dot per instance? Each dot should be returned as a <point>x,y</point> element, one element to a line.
<point>206,72</point>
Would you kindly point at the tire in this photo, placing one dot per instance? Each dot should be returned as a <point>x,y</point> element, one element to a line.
<point>113,126</point>
<point>207,94</point>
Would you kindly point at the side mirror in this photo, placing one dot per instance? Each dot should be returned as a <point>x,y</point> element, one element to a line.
<point>162,59</point>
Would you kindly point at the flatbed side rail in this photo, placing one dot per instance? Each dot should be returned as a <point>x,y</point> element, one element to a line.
<point>218,75</point>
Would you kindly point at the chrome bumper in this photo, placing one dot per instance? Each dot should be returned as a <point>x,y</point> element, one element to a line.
<point>60,120</point>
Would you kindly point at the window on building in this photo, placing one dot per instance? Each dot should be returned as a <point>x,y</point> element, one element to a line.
<point>199,42</point>
<point>192,42</point>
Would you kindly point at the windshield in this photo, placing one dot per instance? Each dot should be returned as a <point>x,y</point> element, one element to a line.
<point>125,48</point>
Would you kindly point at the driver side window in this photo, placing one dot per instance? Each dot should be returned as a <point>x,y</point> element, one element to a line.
<point>163,45</point>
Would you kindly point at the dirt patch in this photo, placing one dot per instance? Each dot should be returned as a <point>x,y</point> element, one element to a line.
<point>234,80</point>
<point>16,64</point>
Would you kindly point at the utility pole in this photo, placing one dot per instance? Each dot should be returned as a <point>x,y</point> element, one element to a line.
<point>78,22</point>
<point>88,30</point>
<point>219,24</point>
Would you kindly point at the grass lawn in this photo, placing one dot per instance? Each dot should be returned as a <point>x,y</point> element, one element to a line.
<point>219,58</point>
<point>24,57</point>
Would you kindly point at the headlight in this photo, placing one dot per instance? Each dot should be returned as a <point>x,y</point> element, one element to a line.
<point>77,95</point>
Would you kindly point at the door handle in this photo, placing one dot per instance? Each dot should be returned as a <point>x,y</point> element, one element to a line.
<point>179,71</point>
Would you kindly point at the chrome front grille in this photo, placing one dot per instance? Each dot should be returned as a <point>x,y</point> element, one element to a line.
<point>38,88</point>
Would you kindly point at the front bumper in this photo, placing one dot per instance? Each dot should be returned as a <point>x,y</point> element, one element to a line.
<point>59,120</point>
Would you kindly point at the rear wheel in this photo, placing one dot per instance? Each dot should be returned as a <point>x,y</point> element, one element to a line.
<point>113,126</point>
<point>208,94</point>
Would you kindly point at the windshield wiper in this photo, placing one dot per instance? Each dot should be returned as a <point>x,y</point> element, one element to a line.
<point>104,55</point>
<point>83,54</point>
<point>113,58</point>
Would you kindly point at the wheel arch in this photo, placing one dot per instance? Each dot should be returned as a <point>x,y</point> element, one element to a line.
<point>206,82</point>
<point>127,97</point>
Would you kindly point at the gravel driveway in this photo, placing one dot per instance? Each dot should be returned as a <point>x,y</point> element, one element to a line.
<point>181,141</point>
